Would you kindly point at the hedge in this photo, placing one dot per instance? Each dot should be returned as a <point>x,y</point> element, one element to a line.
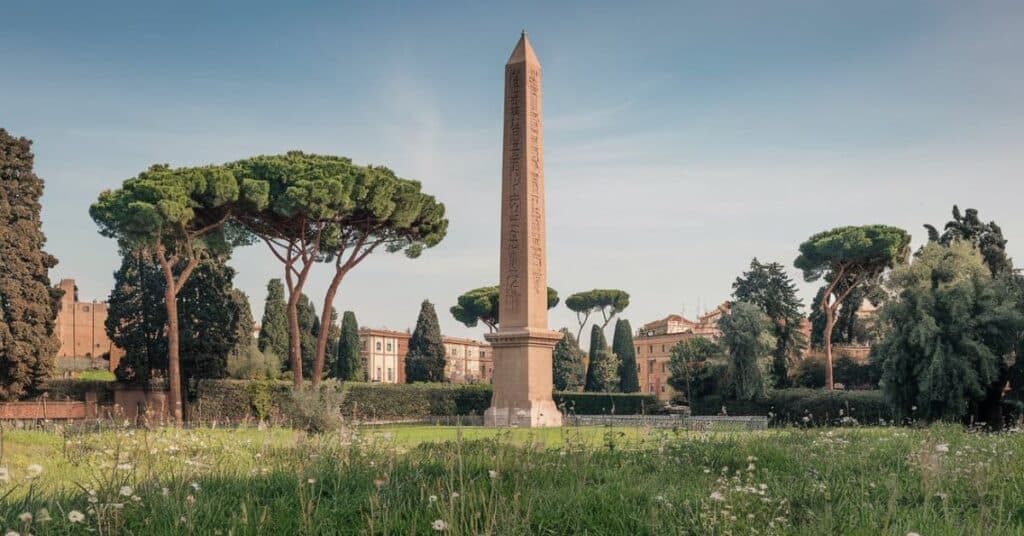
<point>240,400</point>
<point>800,406</point>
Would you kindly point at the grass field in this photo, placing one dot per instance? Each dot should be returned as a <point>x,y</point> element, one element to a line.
<point>429,479</point>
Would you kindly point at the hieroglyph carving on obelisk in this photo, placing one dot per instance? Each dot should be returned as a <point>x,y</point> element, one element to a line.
<point>523,342</point>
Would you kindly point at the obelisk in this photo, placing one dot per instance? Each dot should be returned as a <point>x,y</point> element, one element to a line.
<point>522,344</point>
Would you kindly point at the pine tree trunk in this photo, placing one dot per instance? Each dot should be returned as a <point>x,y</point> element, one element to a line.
<point>325,325</point>
<point>829,324</point>
<point>295,339</point>
<point>173,351</point>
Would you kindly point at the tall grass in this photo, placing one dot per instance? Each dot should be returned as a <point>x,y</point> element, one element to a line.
<point>422,479</point>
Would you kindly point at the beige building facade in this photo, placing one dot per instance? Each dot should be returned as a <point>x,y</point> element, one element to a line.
<point>653,343</point>
<point>383,352</point>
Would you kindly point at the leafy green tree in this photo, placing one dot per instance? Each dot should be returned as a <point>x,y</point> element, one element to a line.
<point>178,216</point>
<point>609,302</point>
<point>481,305</point>
<point>767,286</point>
<point>425,359</point>
<point>325,208</point>
<point>603,369</point>
<point>684,358</point>
<point>349,364</point>
<point>567,359</point>
<point>948,334</point>
<point>274,326</point>
<point>849,258</point>
<point>747,335</point>
<point>28,305</point>
<point>622,347</point>
<point>987,238</point>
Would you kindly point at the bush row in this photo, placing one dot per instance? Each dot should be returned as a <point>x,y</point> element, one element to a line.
<point>804,406</point>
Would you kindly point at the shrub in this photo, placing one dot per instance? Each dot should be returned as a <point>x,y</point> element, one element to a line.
<point>791,406</point>
<point>253,364</point>
<point>316,411</point>
<point>76,389</point>
<point>849,372</point>
<point>238,400</point>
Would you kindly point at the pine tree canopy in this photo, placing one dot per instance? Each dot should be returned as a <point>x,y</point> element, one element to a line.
<point>482,305</point>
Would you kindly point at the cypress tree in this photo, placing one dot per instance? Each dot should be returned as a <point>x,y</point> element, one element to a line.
<point>216,315</point>
<point>622,346</point>
<point>136,317</point>
<point>274,326</point>
<point>567,361</point>
<point>28,305</point>
<point>603,368</point>
<point>349,364</point>
<point>309,327</point>
<point>243,324</point>
<point>426,358</point>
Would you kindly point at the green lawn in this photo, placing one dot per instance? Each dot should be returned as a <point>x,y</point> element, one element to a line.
<point>593,480</point>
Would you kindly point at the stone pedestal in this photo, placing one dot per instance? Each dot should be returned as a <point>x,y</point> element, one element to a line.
<point>523,381</point>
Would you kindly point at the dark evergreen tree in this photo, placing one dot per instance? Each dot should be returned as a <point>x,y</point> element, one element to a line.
<point>273,336</point>
<point>987,238</point>
<point>28,304</point>
<point>244,325</point>
<point>685,359</point>
<point>309,328</point>
<point>136,317</point>
<point>747,335</point>
<point>333,338</point>
<point>602,371</point>
<point>947,335</point>
<point>426,357</point>
<point>567,362</point>
<point>349,363</point>
<point>210,313</point>
<point>767,286</point>
<point>622,347</point>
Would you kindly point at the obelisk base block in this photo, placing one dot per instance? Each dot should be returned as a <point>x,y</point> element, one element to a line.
<point>523,379</point>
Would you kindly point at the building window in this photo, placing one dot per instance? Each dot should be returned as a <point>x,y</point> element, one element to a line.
<point>378,373</point>
<point>378,346</point>
<point>663,367</point>
<point>389,346</point>
<point>650,348</point>
<point>662,347</point>
<point>650,388</point>
<point>85,308</point>
<point>391,374</point>
<point>455,352</point>
<point>662,388</point>
<point>482,355</point>
<point>637,349</point>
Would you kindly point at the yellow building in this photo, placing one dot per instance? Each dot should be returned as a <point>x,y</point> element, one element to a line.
<point>383,352</point>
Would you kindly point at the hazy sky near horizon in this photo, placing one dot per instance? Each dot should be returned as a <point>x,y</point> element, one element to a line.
<point>682,139</point>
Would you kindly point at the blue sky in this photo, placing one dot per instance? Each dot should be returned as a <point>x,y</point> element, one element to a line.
<point>682,139</point>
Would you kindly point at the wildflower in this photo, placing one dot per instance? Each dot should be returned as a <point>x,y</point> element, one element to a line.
<point>165,492</point>
<point>433,498</point>
<point>455,495</point>
<point>913,533</point>
<point>492,473</point>
<point>751,467</point>
<point>124,466</point>
<point>751,458</point>
<point>126,491</point>
<point>43,515</point>
<point>75,516</point>
<point>195,486</point>
<point>944,447</point>
<point>311,481</point>
<point>12,533</point>
<point>34,470</point>
<point>717,496</point>
<point>806,419</point>
<point>440,525</point>
<point>5,475</point>
<point>25,517</point>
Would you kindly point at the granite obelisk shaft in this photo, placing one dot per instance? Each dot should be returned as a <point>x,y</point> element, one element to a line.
<point>523,342</point>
